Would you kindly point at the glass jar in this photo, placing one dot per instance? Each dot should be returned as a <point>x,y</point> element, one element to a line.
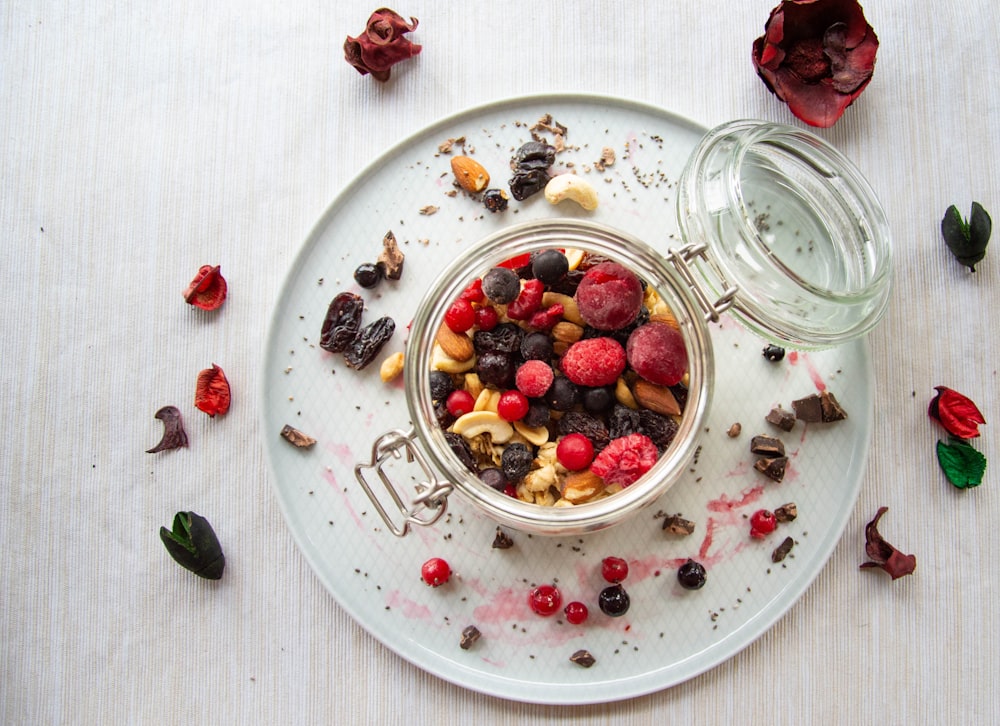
<point>777,225</point>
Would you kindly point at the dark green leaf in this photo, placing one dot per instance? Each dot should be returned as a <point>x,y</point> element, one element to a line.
<point>194,546</point>
<point>962,465</point>
<point>967,240</point>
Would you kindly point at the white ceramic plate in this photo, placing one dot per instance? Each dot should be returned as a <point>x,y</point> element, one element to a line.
<point>669,634</point>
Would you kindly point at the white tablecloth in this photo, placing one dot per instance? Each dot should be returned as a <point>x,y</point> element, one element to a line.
<point>142,140</point>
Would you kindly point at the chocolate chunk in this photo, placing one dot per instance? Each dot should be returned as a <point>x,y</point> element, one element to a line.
<point>502,541</point>
<point>819,408</point>
<point>831,408</point>
<point>764,445</point>
<point>782,550</point>
<point>772,468</point>
<point>676,524</point>
<point>786,512</point>
<point>469,637</point>
<point>784,420</point>
<point>583,658</point>
<point>391,258</point>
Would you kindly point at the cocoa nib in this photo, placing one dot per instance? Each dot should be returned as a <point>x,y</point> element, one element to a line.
<point>786,512</point>
<point>781,551</point>
<point>583,658</point>
<point>676,524</point>
<point>470,635</point>
<point>773,468</point>
<point>296,437</point>
<point>174,435</point>
<point>883,555</point>
<point>502,541</point>
<point>391,258</point>
<point>819,408</point>
<point>784,420</point>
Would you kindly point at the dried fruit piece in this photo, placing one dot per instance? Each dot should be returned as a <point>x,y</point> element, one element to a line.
<point>296,437</point>
<point>208,288</point>
<point>174,435</point>
<point>883,555</point>
<point>625,459</point>
<point>957,413</point>
<point>656,351</point>
<point>382,44</point>
<point>967,240</point>
<point>368,342</point>
<point>391,258</point>
<point>342,322</point>
<point>609,296</point>
<point>962,465</point>
<point>212,394</point>
<point>194,545</point>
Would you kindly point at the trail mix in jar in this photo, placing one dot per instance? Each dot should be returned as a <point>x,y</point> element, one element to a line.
<point>559,377</point>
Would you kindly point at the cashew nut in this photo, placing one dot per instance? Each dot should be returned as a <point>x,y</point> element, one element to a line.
<point>536,435</point>
<point>474,423</point>
<point>570,186</point>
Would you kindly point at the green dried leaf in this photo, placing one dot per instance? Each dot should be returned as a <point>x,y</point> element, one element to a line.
<point>967,239</point>
<point>962,465</point>
<point>194,546</point>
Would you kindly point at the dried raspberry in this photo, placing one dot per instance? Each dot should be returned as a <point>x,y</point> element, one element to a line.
<point>656,352</point>
<point>609,296</point>
<point>474,292</point>
<point>625,459</point>
<point>534,378</point>
<point>527,302</point>
<point>594,362</point>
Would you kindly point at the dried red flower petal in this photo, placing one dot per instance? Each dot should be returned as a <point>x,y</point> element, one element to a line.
<point>382,44</point>
<point>208,288</point>
<point>817,56</point>
<point>884,555</point>
<point>174,435</point>
<point>212,394</point>
<point>959,416</point>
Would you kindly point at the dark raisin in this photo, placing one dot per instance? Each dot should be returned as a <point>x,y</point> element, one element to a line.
<point>774,353</point>
<point>495,368</point>
<point>526,183</point>
<point>580,422</point>
<point>623,421</point>
<point>368,275</point>
<point>495,200</point>
<point>691,575</point>
<point>614,601</point>
<point>538,413</point>
<point>536,346</point>
<point>460,447</point>
<point>569,283</point>
<point>501,285</point>
<point>562,394</point>
<point>533,155</point>
<point>659,428</point>
<point>504,338</point>
<point>369,342</point>
<point>443,416</point>
<point>493,477</point>
<point>549,266</point>
<point>342,321</point>
<point>441,385</point>
<point>598,400</point>
<point>515,461</point>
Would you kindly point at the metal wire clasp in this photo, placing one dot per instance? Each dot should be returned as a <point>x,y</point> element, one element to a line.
<point>431,498</point>
<point>680,259</point>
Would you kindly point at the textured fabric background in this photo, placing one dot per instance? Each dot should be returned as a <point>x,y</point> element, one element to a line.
<point>140,140</point>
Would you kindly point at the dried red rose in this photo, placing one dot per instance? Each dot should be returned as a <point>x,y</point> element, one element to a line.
<point>212,393</point>
<point>208,288</point>
<point>884,555</point>
<point>959,416</point>
<point>817,56</point>
<point>174,435</point>
<point>382,44</point>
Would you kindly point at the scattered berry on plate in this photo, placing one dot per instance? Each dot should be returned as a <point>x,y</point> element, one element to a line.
<point>762,523</point>
<point>614,569</point>
<point>435,572</point>
<point>544,600</point>
<point>614,601</point>
<point>576,613</point>
<point>691,575</point>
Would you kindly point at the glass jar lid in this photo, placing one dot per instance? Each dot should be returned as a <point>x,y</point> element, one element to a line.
<point>792,224</point>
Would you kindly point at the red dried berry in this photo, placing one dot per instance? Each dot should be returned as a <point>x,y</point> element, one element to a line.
<point>544,600</point>
<point>576,613</point>
<point>533,378</point>
<point>547,319</point>
<point>762,523</point>
<point>517,262</point>
<point>656,352</point>
<point>609,296</point>
<point>575,451</point>
<point>212,394</point>
<point>435,572</point>
<point>460,316</point>
<point>459,403</point>
<point>487,318</point>
<point>594,362</point>
<point>512,406</point>
<point>208,289</point>
<point>625,459</point>
<point>527,302</point>
<point>614,569</point>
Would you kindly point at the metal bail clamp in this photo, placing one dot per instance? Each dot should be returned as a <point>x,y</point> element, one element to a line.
<point>431,498</point>
<point>680,260</point>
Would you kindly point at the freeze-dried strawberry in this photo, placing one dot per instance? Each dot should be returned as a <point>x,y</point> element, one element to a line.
<point>625,459</point>
<point>594,362</point>
<point>546,319</point>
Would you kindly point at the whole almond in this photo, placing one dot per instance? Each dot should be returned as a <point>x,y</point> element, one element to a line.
<point>455,345</point>
<point>581,486</point>
<point>655,398</point>
<point>470,174</point>
<point>566,332</point>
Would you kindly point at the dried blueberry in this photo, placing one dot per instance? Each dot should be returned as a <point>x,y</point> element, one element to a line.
<point>495,368</point>
<point>501,285</point>
<point>774,353</point>
<point>526,183</point>
<point>562,394</point>
<point>614,601</point>
<point>492,477</point>
<point>368,275</point>
<point>580,422</point>
<point>691,575</point>
<point>443,416</point>
<point>516,462</point>
<point>538,414</point>
<point>441,385</point>
<point>504,338</point>
<point>598,400</point>
<point>495,200</point>
<point>623,421</point>
<point>536,346</point>
<point>549,266</point>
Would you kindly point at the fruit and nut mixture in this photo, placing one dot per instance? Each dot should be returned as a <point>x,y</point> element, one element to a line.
<point>559,376</point>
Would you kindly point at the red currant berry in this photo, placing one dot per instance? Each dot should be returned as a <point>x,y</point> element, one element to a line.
<point>474,292</point>
<point>575,451</point>
<point>460,316</point>
<point>762,523</point>
<point>614,569</point>
<point>459,403</point>
<point>576,613</point>
<point>544,600</point>
<point>435,572</point>
<point>487,318</point>
<point>513,405</point>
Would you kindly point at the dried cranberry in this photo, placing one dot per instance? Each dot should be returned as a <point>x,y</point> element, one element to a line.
<point>527,302</point>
